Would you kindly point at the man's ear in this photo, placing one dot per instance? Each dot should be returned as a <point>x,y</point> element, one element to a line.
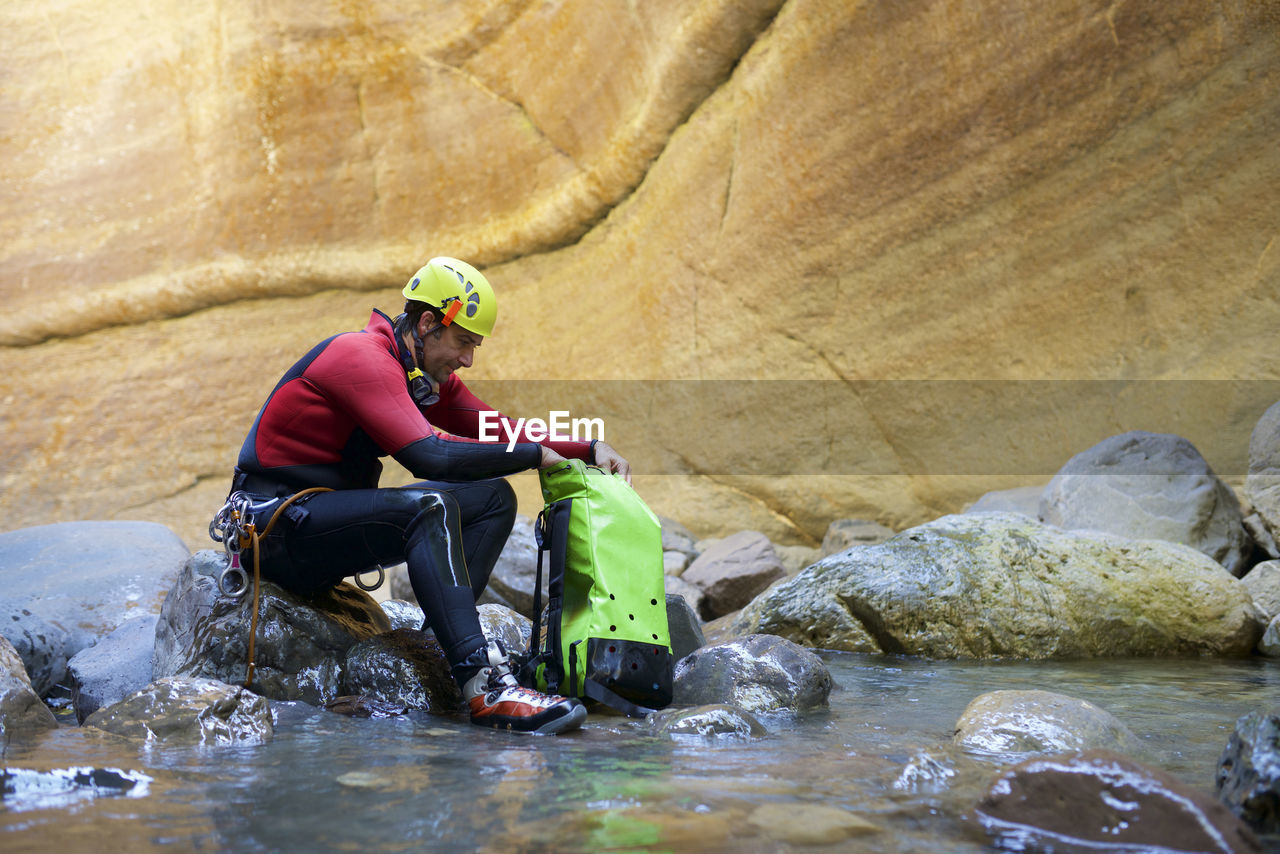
<point>426,321</point>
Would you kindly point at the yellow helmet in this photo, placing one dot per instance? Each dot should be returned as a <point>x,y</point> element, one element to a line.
<point>459,291</point>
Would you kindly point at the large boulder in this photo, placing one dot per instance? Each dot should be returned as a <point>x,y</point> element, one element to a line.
<point>1263,584</point>
<point>86,578</point>
<point>1150,486</point>
<point>189,710</point>
<point>733,570</point>
<point>1248,776</point>
<point>759,673</point>
<point>300,644</point>
<point>21,709</point>
<point>1020,499</point>
<point>114,667</point>
<point>1101,801</point>
<point>1028,722</point>
<point>41,645</point>
<point>989,585</point>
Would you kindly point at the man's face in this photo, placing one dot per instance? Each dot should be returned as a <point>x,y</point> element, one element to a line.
<point>454,348</point>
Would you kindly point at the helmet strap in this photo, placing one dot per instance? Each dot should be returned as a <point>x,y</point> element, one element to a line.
<point>420,387</point>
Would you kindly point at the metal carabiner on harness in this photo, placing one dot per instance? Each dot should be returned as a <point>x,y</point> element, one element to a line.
<point>369,588</point>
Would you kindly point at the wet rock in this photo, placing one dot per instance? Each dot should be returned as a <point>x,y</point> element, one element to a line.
<point>1263,584</point>
<point>189,710</point>
<point>1029,722</point>
<point>1022,499</point>
<point>1103,801</point>
<point>364,706</point>
<point>1248,776</point>
<point>24,789</point>
<point>114,667</point>
<point>300,645</point>
<point>86,578</point>
<point>924,772</point>
<point>716,719</point>
<point>846,533</point>
<point>809,824</point>
<point>500,623</point>
<point>21,710</point>
<point>403,614</point>
<point>992,584</point>
<point>1149,486</point>
<point>40,644</point>
<point>690,593</point>
<point>516,570</point>
<point>734,570</point>
<point>405,667</point>
<point>760,673</point>
<point>683,626</point>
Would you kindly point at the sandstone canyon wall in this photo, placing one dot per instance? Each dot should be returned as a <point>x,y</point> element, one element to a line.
<point>808,259</point>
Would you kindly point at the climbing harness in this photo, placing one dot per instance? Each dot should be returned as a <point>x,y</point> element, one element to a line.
<point>233,526</point>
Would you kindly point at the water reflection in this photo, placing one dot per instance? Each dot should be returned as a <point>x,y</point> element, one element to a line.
<point>877,772</point>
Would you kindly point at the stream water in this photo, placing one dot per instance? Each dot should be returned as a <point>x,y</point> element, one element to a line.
<point>881,753</point>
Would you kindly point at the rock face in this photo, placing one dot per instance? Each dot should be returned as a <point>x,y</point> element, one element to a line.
<point>86,578</point>
<point>189,710</point>
<point>300,645</point>
<point>1086,169</point>
<point>1113,804</point>
<point>1149,486</point>
<point>1027,722</point>
<point>760,673</point>
<point>989,585</point>
<point>1248,777</point>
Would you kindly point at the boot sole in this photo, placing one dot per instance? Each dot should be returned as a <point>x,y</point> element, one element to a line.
<point>572,720</point>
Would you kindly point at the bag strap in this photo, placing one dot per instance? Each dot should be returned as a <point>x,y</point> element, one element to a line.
<point>599,693</point>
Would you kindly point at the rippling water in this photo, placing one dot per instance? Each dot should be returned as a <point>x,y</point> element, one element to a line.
<point>881,754</point>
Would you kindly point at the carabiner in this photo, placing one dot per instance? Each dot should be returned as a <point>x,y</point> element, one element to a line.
<point>369,588</point>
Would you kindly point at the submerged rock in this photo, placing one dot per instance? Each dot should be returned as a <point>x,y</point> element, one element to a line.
<point>989,585</point>
<point>1151,486</point>
<point>1248,777</point>
<point>1101,801</point>
<point>203,711</point>
<point>300,643</point>
<point>1026,722</point>
<point>760,673</point>
<point>714,719</point>
<point>21,709</point>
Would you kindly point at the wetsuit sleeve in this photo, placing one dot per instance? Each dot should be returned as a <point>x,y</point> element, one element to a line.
<point>459,412</point>
<point>371,389</point>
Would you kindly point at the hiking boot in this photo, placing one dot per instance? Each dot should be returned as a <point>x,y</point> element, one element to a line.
<point>497,700</point>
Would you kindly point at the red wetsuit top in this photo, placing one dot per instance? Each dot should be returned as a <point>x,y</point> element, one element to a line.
<point>346,403</point>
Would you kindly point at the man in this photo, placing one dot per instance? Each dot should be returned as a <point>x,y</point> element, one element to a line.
<point>385,390</point>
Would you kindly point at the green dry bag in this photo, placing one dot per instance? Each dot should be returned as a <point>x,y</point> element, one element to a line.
<point>606,634</point>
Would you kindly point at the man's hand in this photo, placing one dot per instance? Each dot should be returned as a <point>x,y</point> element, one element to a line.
<point>549,458</point>
<point>611,461</point>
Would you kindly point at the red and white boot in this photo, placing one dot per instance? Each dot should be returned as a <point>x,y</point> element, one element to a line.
<point>497,700</point>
